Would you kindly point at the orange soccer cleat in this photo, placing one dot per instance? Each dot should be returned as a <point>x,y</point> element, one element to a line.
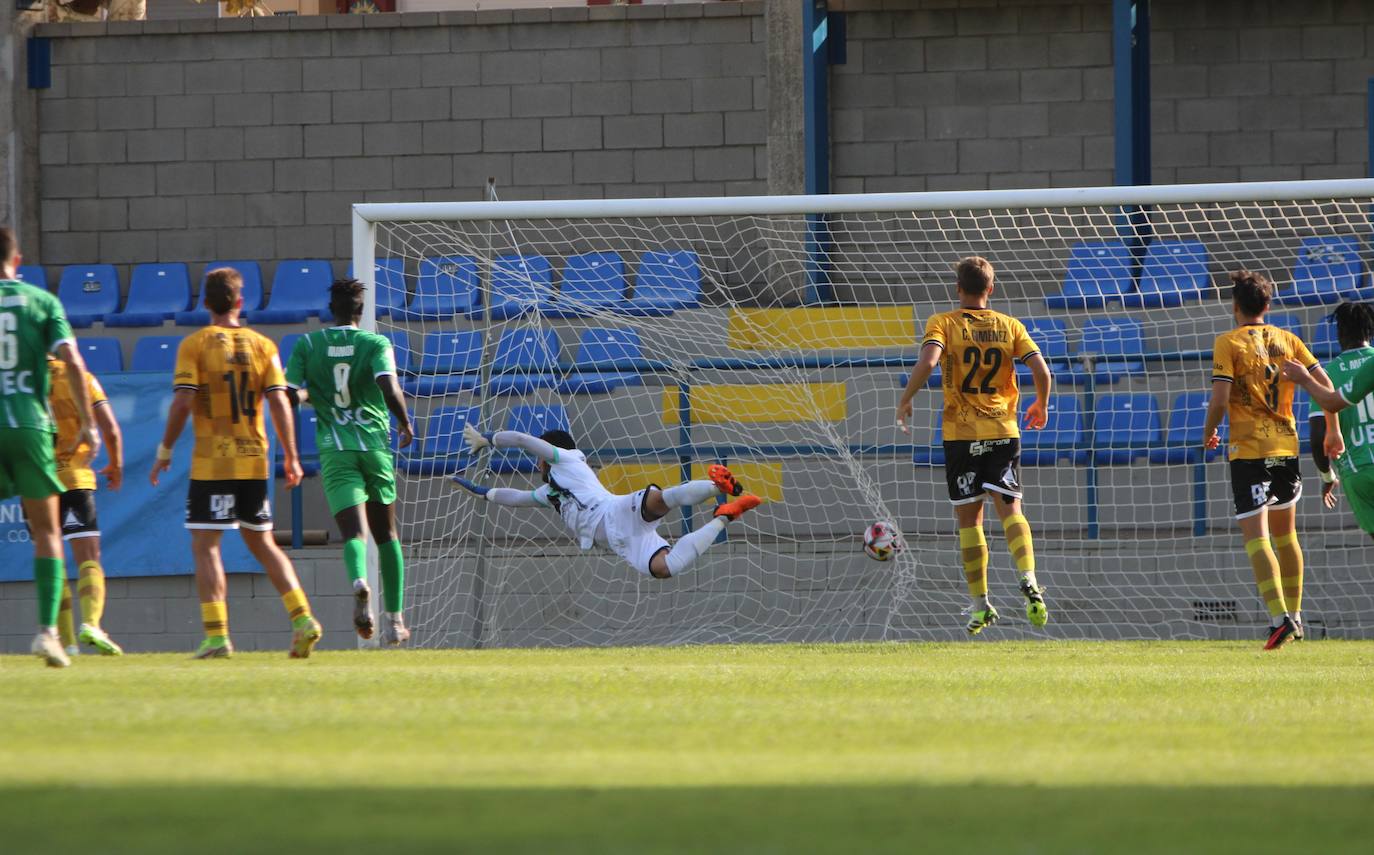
<point>732,510</point>
<point>724,480</point>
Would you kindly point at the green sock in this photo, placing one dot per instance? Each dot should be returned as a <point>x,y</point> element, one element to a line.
<point>393,573</point>
<point>51,576</point>
<point>355,558</point>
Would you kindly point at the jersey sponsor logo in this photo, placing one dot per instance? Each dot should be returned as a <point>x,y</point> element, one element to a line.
<point>17,383</point>
<point>222,506</point>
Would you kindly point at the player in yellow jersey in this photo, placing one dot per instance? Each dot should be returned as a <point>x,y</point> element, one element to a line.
<point>1248,388</point>
<point>976,349</point>
<point>224,374</point>
<point>76,506</point>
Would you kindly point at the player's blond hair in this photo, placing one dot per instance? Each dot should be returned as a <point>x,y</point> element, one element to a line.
<point>974,275</point>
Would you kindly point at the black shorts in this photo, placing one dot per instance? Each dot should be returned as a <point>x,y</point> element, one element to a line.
<point>76,510</point>
<point>228,504</point>
<point>975,466</point>
<point>1269,482</point>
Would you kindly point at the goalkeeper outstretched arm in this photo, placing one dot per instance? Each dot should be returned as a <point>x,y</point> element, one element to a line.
<point>501,495</point>
<point>510,439</point>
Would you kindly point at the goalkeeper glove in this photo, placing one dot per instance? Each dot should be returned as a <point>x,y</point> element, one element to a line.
<point>469,486</point>
<point>475,438</point>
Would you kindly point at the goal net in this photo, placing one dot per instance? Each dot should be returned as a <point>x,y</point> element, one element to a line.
<point>774,335</point>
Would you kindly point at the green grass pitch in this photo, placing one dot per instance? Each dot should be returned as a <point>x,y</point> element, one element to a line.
<point>990,747</point>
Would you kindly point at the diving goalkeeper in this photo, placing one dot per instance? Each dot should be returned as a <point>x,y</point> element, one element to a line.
<point>626,525</point>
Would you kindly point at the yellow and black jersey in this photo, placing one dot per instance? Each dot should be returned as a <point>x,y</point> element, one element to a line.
<point>230,369</point>
<point>1261,409</point>
<point>978,374</point>
<point>73,465</point>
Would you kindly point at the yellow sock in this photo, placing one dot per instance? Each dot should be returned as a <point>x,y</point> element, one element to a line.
<point>215,617</point>
<point>974,548</point>
<point>66,627</point>
<point>1289,554</point>
<point>296,604</point>
<point>1019,544</point>
<point>90,587</point>
<point>1266,567</point>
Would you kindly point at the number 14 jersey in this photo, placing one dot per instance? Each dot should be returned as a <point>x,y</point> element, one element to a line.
<point>978,370</point>
<point>338,367</point>
<point>1251,358</point>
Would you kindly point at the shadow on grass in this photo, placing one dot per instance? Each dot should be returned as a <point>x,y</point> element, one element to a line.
<point>897,818</point>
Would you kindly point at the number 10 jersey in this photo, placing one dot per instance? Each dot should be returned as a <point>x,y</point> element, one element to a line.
<point>978,369</point>
<point>1251,358</point>
<point>338,367</point>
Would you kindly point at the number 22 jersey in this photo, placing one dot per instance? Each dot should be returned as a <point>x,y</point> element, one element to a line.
<point>338,367</point>
<point>979,377</point>
<point>1251,357</point>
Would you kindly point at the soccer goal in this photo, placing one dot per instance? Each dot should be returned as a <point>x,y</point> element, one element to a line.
<point>774,334</point>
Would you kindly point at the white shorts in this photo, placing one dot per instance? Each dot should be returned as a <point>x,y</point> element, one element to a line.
<point>629,535</point>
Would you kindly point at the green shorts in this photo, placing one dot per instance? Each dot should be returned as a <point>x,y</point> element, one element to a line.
<point>353,477</point>
<point>1359,489</point>
<point>28,466</point>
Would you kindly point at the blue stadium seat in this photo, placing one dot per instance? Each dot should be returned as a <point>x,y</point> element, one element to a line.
<point>447,286</point>
<point>390,276</point>
<point>932,453</point>
<point>1125,427</point>
<point>156,293</point>
<point>288,344</point>
<point>525,360</point>
<point>89,292</point>
<point>102,355</point>
<point>1284,321</point>
<point>307,448</point>
<point>155,353</point>
<point>1062,437</point>
<point>1113,338</point>
<point>252,292</point>
<point>441,448</point>
<point>1184,441</point>
<point>533,420</point>
<point>1052,337</point>
<point>591,283</point>
<point>300,288</point>
<point>400,350</point>
<point>1323,342</point>
<point>520,284</point>
<point>1174,272</point>
<point>439,385</point>
<point>449,362</point>
<point>605,361</point>
<point>1302,411</point>
<point>1327,270</point>
<point>665,282</point>
<point>1098,273</point>
<point>34,274</point>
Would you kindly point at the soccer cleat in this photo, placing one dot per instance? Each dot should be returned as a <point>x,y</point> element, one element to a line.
<point>1035,604</point>
<point>1281,634</point>
<point>362,611</point>
<point>306,632</point>
<point>394,632</point>
<point>724,480</point>
<point>733,510</point>
<point>980,619</point>
<point>215,647</point>
<point>1298,632</point>
<point>48,647</point>
<point>96,637</point>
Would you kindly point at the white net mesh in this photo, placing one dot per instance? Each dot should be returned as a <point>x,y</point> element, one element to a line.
<point>1133,531</point>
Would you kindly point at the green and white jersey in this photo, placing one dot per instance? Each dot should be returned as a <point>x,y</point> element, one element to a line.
<point>1357,420</point>
<point>32,325</point>
<point>338,367</point>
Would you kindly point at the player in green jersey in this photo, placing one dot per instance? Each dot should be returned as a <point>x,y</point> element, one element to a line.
<point>349,376</point>
<point>32,325</point>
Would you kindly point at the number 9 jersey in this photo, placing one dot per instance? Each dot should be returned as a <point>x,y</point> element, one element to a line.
<point>338,367</point>
<point>978,371</point>
<point>1250,357</point>
<point>230,369</point>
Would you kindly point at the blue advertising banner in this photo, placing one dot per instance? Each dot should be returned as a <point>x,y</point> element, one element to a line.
<point>141,525</point>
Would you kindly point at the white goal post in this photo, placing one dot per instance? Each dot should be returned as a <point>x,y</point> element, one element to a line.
<point>773,334</point>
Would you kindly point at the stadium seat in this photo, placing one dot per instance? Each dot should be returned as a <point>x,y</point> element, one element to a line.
<point>1302,411</point>
<point>155,353</point>
<point>932,452</point>
<point>34,274</point>
<point>400,350</point>
<point>390,276</point>
<point>442,450</point>
<point>1052,337</point>
<point>1062,437</point>
<point>1125,427</point>
<point>156,293</point>
<point>447,286</point>
<point>607,359</point>
<point>1323,342</point>
<point>252,292</point>
<point>89,292</point>
<point>1174,272</point>
<point>306,446</point>
<point>1098,273</point>
<point>1184,441</point>
<point>533,420</point>
<point>592,282</point>
<point>288,344</point>
<point>1283,321</point>
<point>102,355</point>
<point>448,364</point>
<point>520,284</point>
<point>1327,270</point>
<point>665,282</point>
<point>300,288</point>
<point>1117,339</point>
<point>525,360</point>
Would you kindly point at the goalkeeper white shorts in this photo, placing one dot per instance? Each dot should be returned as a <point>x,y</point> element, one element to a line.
<point>629,535</point>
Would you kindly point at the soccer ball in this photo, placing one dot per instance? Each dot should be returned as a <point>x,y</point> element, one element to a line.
<point>881,541</point>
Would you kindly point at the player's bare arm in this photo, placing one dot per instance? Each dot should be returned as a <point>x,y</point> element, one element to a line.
<point>114,444</point>
<point>284,421</point>
<point>1216,411</point>
<point>1317,384</point>
<point>925,366</point>
<point>1036,414</point>
<point>396,405</point>
<point>81,395</point>
<point>182,402</point>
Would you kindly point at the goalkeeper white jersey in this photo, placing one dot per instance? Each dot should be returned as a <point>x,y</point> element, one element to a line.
<point>576,493</point>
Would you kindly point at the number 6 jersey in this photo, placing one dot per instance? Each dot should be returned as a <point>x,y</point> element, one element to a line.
<point>338,367</point>
<point>1250,357</point>
<point>230,369</point>
<point>979,374</point>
